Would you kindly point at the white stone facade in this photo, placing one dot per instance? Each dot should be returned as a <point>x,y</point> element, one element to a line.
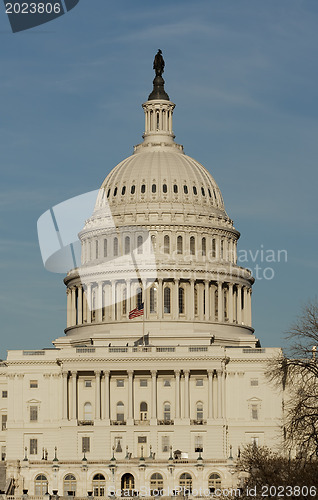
<point>164,400</point>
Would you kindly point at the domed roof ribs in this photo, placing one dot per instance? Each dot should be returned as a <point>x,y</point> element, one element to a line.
<point>158,82</point>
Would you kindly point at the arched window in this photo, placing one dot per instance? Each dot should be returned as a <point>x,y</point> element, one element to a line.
<point>153,299</point>
<point>222,249</point>
<point>175,188</point>
<point>105,247</point>
<point>143,188</point>
<point>214,482</point>
<point>40,485</point>
<point>139,297</point>
<point>202,191</point>
<point>120,412</point>
<point>225,306</point>
<point>133,189</point>
<point>156,484</point>
<point>123,191</point>
<point>166,244</point>
<point>69,485</point>
<point>115,247</point>
<point>181,300</point>
<point>213,248</point>
<point>128,484</point>
<point>199,411</point>
<point>195,190</point>
<point>166,300</point>
<point>108,193</point>
<point>88,414</point>
<point>179,245</point>
<point>195,301</point>
<point>99,484</point>
<point>96,249</point>
<point>157,121</point>
<point>209,191</point>
<point>166,412</point>
<point>127,245</point>
<point>185,189</point>
<point>124,301</point>
<point>140,242</point>
<point>143,411</point>
<point>192,245</point>
<point>185,483</point>
<point>164,188</point>
<point>115,191</point>
<point>203,247</point>
<point>153,188</point>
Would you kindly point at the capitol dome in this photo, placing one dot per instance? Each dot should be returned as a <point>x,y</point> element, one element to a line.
<point>159,242</point>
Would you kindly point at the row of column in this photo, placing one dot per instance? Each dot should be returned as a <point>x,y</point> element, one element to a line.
<point>216,395</point>
<point>203,301</point>
<point>158,118</point>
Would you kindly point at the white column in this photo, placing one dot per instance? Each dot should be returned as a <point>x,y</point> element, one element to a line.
<point>207,300</point>
<point>212,295</point>
<point>177,393</point>
<point>160,298</point>
<point>223,383</point>
<point>106,395</point>
<point>154,394</point>
<point>80,305</point>
<point>219,373</point>
<point>68,307</point>
<point>97,395</point>
<point>210,395</point>
<point>186,394</point>
<point>245,308</point>
<point>84,304</point>
<point>130,395</point>
<point>113,306</point>
<point>231,318</point>
<point>73,316</point>
<point>191,309</point>
<point>250,306</point>
<point>99,311</point>
<point>239,304</point>
<point>220,303</point>
<point>74,394</point>
<point>89,303</point>
<point>64,396</point>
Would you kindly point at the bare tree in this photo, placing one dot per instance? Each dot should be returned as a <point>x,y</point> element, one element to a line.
<point>297,373</point>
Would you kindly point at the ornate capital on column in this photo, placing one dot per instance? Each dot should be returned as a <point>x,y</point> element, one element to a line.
<point>64,374</point>
<point>210,373</point>
<point>186,373</point>
<point>153,373</point>
<point>177,373</point>
<point>96,372</point>
<point>106,373</point>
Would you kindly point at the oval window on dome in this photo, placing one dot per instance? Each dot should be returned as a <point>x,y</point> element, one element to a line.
<point>164,188</point>
<point>108,193</point>
<point>202,191</point>
<point>123,191</point>
<point>195,190</point>
<point>175,188</point>
<point>185,189</point>
<point>133,189</point>
<point>115,191</point>
<point>209,191</point>
<point>154,188</point>
<point>143,188</point>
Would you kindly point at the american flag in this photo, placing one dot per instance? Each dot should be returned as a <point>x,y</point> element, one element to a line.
<point>138,311</point>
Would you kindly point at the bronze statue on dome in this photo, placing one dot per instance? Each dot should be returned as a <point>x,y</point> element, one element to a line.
<point>159,64</point>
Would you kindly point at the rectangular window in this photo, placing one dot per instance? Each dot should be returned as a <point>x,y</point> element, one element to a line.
<point>254,381</point>
<point>254,441</point>
<point>33,446</point>
<point>87,383</point>
<point>142,439</point>
<point>118,444</point>
<point>86,444</point>
<point>4,394</point>
<point>166,383</point>
<point>165,443</point>
<point>33,384</point>
<point>254,412</point>
<point>143,382</point>
<point>33,413</point>
<point>198,444</point>
<point>3,453</point>
<point>120,382</point>
<point>4,419</point>
<point>199,382</point>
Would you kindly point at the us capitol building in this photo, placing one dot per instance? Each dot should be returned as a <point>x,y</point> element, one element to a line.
<point>159,380</point>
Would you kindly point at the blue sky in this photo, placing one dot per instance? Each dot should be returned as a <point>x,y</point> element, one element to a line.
<point>243,74</point>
